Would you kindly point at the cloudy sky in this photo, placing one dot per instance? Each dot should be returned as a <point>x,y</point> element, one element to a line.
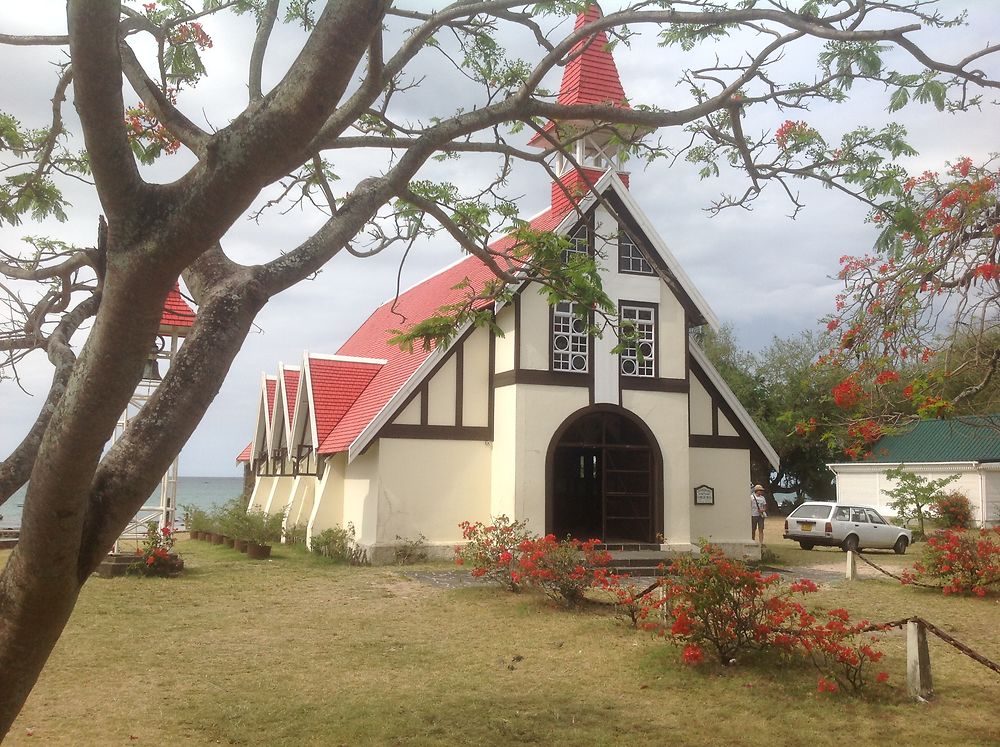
<point>762,272</point>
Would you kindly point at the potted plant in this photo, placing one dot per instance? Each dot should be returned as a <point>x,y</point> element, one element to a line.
<point>231,518</point>
<point>196,520</point>
<point>262,530</point>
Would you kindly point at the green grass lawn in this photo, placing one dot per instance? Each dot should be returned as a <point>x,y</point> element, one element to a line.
<point>297,651</point>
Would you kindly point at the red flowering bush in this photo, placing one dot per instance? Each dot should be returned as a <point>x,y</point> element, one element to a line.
<point>843,651</point>
<point>964,562</point>
<point>154,557</point>
<point>711,601</point>
<point>565,569</point>
<point>715,603</point>
<point>492,550</point>
<point>954,510</point>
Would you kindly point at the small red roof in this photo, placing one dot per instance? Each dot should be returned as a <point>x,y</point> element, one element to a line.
<point>590,76</point>
<point>291,389</point>
<point>270,384</point>
<point>371,340</point>
<point>245,454</point>
<point>176,312</point>
<point>336,386</point>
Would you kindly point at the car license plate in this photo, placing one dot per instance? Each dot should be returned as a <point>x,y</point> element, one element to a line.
<point>806,526</point>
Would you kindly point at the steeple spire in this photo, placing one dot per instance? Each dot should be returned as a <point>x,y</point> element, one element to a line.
<point>589,77</point>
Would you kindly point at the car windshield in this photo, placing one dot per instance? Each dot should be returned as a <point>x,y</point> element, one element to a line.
<point>874,518</point>
<point>806,511</point>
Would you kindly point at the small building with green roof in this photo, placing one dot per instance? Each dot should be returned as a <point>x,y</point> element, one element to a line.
<point>967,446</point>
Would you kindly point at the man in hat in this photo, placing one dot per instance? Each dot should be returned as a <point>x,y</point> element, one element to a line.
<point>758,512</point>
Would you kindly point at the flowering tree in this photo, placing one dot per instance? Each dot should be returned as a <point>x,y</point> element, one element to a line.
<point>130,68</point>
<point>918,320</point>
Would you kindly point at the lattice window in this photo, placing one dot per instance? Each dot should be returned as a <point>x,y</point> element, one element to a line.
<point>630,259</point>
<point>570,340</point>
<point>579,243</point>
<point>639,357</point>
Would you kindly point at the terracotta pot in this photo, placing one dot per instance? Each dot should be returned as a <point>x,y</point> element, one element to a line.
<point>240,545</point>
<point>195,535</point>
<point>206,536</point>
<point>217,539</point>
<point>228,541</point>
<point>258,552</point>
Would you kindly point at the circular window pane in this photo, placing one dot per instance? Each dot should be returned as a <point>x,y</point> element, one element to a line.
<point>561,342</point>
<point>646,349</point>
<point>579,363</point>
<point>628,366</point>
<point>579,326</point>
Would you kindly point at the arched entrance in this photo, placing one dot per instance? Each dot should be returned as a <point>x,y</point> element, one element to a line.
<point>603,477</point>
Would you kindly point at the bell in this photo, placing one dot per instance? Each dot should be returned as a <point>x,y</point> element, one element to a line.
<point>151,372</point>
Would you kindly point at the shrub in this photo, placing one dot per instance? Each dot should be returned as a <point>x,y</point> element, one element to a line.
<point>263,528</point>
<point>491,550</point>
<point>337,544</point>
<point>410,551</point>
<point>154,558</point>
<point>232,519</point>
<point>711,601</point>
<point>295,534</point>
<point>964,562</point>
<point>565,569</point>
<point>195,518</point>
<point>913,497</point>
<point>843,652</point>
<point>954,510</point>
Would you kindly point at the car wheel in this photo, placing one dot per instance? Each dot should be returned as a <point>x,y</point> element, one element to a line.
<point>806,545</point>
<point>900,547</point>
<point>850,543</point>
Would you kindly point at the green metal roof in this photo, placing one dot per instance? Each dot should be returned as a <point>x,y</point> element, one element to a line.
<point>966,439</point>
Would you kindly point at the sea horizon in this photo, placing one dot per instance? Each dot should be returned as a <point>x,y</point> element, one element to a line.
<point>203,491</point>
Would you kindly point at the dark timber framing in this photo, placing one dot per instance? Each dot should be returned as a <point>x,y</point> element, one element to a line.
<point>715,440</point>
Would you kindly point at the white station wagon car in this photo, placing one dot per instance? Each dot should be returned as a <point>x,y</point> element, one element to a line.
<point>844,526</point>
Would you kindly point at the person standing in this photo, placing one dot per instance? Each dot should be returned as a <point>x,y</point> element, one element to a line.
<point>758,512</point>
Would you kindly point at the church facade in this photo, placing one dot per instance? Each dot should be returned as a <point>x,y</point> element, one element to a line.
<point>544,422</point>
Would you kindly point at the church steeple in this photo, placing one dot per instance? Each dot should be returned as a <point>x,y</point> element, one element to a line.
<point>590,77</point>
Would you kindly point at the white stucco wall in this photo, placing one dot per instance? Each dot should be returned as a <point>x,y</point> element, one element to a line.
<point>361,488</point>
<point>301,503</point>
<point>504,355</point>
<point>441,395</point>
<point>666,414</point>
<point>261,492</point>
<point>476,379</point>
<point>534,342</point>
<point>701,409</point>
<point>428,486</point>
<point>991,495</point>
<point>281,492</point>
<point>328,506</point>
<point>410,414</point>
<point>728,472</point>
<point>540,410</point>
<point>503,457</point>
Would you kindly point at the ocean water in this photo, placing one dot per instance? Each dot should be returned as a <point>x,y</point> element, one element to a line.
<point>203,492</point>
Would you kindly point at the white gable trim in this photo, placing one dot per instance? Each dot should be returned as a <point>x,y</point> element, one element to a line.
<point>872,467</point>
<point>263,415</point>
<point>346,358</point>
<point>303,403</point>
<point>727,394</point>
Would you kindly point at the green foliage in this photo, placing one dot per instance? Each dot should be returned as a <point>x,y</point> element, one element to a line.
<point>262,528</point>
<point>914,495</point>
<point>338,544</point>
<point>954,510</point>
<point>196,518</point>
<point>410,550</point>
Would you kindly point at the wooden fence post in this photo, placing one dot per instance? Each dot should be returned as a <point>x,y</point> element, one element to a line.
<point>852,565</point>
<point>918,662</point>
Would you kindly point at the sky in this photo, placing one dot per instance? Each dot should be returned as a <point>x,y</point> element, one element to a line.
<point>762,272</point>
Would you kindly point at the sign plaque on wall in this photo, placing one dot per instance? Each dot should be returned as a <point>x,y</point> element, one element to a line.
<point>704,496</point>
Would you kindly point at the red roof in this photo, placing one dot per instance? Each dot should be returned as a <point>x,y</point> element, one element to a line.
<point>245,454</point>
<point>371,340</point>
<point>336,385</point>
<point>270,384</point>
<point>176,312</point>
<point>291,389</point>
<point>590,76</point>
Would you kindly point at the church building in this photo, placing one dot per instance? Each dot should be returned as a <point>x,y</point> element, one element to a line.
<point>543,422</point>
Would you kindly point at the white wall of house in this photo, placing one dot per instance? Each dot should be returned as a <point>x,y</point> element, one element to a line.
<point>361,495</point>
<point>867,483</point>
<point>428,486</point>
<point>301,501</point>
<point>261,492</point>
<point>281,493</point>
<point>328,506</point>
<point>666,414</point>
<point>728,472</point>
